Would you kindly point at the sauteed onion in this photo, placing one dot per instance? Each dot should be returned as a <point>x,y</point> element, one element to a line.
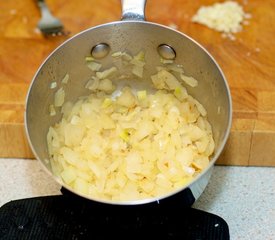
<point>132,145</point>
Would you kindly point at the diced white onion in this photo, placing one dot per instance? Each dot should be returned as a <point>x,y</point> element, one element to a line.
<point>53,85</point>
<point>59,97</point>
<point>192,82</point>
<point>132,145</point>
<point>65,79</point>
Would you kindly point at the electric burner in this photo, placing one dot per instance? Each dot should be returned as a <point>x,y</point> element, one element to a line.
<point>69,216</point>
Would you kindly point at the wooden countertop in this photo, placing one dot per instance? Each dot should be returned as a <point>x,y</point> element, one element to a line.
<point>248,63</point>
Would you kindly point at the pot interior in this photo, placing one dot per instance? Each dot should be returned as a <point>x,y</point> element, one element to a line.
<point>131,37</point>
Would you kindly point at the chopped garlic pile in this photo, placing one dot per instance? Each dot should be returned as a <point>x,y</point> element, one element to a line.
<point>224,17</point>
<point>134,145</point>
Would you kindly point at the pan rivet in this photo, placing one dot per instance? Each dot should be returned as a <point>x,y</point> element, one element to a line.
<point>100,50</point>
<point>166,52</point>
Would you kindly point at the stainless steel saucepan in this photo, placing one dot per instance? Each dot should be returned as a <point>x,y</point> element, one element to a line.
<point>131,34</point>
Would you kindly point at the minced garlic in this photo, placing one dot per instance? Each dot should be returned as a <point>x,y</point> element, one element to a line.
<point>226,17</point>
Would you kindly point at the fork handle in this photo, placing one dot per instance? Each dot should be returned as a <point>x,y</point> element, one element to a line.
<point>41,3</point>
<point>44,8</point>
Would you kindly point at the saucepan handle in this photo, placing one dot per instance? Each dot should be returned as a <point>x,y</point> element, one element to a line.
<point>133,10</point>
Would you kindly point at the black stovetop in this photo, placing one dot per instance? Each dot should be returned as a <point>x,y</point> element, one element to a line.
<point>68,216</point>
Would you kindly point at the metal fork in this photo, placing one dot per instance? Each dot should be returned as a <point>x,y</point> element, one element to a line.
<point>48,24</point>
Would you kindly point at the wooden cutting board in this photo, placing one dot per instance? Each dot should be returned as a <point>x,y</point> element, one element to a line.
<point>248,63</point>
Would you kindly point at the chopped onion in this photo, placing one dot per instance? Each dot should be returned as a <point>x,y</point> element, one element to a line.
<point>69,175</point>
<point>65,79</point>
<point>166,61</point>
<point>59,97</point>
<point>53,85</point>
<point>192,82</point>
<point>94,66</point>
<point>106,73</point>
<point>138,71</point>
<point>107,102</point>
<point>138,62</point>
<point>89,59</point>
<point>141,95</point>
<point>140,56</point>
<point>125,56</point>
<point>127,98</point>
<point>106,85</point>
<point>52,110</point>
<point>92,84</point>
<point>124,135</point>
<point>171,81</point>
<point>175,68</point>
<point>133,144</point>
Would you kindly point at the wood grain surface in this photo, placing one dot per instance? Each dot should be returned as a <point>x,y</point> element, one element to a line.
<point>248,63</point>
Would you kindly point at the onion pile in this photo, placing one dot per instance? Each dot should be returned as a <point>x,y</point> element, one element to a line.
<point>132,145</point>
